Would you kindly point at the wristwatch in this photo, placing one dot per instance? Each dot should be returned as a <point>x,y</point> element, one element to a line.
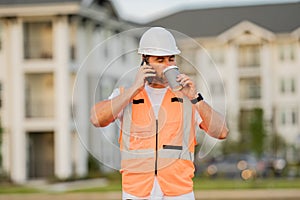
<point>196,100</point>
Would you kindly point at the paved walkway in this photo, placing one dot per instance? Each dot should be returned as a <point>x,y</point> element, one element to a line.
<point>265,194</point>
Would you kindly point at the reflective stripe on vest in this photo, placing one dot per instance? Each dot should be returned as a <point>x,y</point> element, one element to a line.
<point>183,153</point>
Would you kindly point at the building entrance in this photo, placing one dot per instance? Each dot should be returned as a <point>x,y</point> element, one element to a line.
<point>41,154</point>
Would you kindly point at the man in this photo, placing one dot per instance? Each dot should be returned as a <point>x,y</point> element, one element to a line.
<point>158,125</point>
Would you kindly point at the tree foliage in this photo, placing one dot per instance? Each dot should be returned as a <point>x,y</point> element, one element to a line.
<point>252,134</point>
<point>1,130</point>
<point>257,131</point>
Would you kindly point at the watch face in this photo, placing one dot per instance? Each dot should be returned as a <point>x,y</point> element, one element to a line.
<point>199,98</point>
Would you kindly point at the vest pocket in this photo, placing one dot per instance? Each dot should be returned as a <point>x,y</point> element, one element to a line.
<point>177,99</point>
<point>172,147</point>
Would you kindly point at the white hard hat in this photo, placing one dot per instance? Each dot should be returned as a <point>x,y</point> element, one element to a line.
<point>157,41</point>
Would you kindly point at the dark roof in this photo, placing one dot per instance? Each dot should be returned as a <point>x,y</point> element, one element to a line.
<point>15,2</point>
<point>103,4</point>
<point>278,18</point>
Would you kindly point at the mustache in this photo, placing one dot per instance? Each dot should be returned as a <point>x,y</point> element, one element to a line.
<point>160,79</point>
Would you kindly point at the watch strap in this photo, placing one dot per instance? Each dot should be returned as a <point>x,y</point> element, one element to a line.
<point>197,99</point>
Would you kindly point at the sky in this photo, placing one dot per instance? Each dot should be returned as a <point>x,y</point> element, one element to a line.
<point>144,11</point>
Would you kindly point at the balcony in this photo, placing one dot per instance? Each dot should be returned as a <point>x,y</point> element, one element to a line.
<point>250,92</point>
<point>39,95</point>
<point>249,56</point>
<point>0,95</point>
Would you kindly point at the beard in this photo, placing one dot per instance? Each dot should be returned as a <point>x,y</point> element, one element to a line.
<point>159,80</point>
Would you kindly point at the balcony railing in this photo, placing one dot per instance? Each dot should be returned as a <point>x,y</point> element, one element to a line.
<point>250,88</point>
<point>39,95</point>
<point>249,56</point>
<point>39,109</point>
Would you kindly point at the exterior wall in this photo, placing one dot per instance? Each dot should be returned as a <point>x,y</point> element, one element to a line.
<point>16,123</point>
<point>79,151</point>
<point>232,91</point>
<point>5,97</point>
<point>271,71</point>
<point>2,78</point>
<point>16,80</point>
<point>62,92</point>
<point>287,101</point>
<point>108,66</point>
<point>71,141</point>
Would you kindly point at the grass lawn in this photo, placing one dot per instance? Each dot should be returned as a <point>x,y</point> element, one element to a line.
<point>10,189</point>
<point>212,184</point>
<point>270,183</point>
<point>199,184</point>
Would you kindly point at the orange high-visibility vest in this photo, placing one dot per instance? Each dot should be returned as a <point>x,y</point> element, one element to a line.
<point>162,147</point>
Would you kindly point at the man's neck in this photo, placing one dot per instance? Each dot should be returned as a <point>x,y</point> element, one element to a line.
<point>156,85</point>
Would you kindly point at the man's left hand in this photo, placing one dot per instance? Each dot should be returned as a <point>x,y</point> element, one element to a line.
<point>189,87</point>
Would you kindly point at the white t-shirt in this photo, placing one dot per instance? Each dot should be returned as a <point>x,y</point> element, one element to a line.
<point>156,96</point>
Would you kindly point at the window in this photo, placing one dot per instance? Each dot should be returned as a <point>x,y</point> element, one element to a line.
<point>289,116</point>
<point>283,118</point>
<point>73,39</point>
<point>249,55</point>
<point>250,88</point>
<point>0,36</point>
<point>294,117</point>
<point>286,52</point>
<point>287,86</point>
<point>38,40</point>
<point>0,95</point>
<point>293,89</point>
<point>73,98</point>
<point>281,53</point>
<point>39,95</point>
<point>282,86</point>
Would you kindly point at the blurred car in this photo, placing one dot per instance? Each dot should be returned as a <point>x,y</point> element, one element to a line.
<point>271,166</point>
<point>233,166</point>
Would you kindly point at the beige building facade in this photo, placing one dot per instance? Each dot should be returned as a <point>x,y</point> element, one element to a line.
<point>248,67</point>
<point>42,48</point>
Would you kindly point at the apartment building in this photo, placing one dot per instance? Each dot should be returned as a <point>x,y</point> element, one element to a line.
<point>259,70</point>
<point>246,57</point>
<point>42,48</point>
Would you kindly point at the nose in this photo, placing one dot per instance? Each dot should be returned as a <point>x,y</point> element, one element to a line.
<point>167,62</point>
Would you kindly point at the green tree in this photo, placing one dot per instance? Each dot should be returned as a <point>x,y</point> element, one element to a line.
<point>257,132</point>
<point>277,144</point>
<point>1,130</point>
<point>251,128</point>
<point>230,146</point>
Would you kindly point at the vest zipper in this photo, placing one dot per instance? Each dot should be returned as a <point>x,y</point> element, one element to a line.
<point>156,146</point>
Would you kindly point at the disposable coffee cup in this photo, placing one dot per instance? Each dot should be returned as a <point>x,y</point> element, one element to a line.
<point>171,73</point>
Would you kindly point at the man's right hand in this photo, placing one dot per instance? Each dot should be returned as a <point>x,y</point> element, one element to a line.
<point>140,79</point>
<point>106,111</point>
